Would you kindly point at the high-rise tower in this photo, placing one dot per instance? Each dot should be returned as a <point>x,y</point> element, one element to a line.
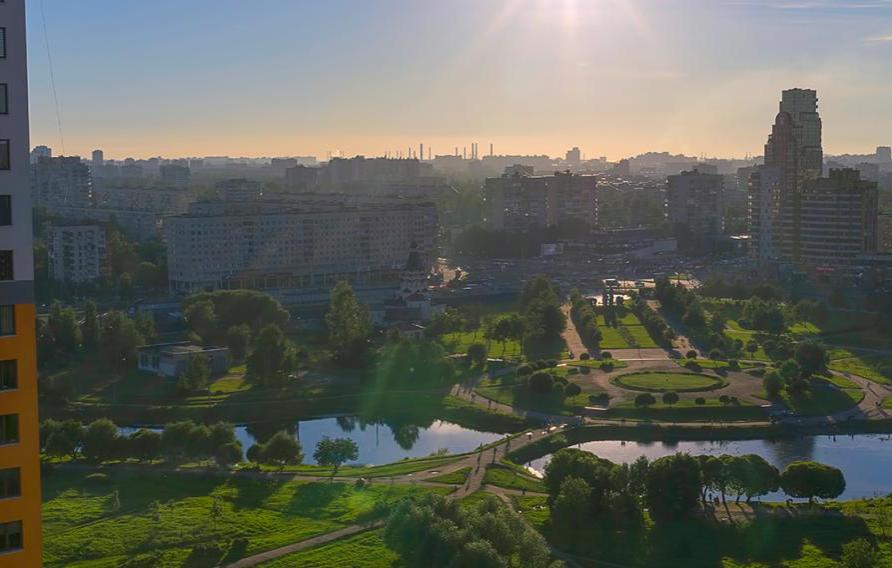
<point>793,158</point>
<point>20,537</point>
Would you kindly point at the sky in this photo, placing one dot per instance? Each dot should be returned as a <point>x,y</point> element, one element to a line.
<point>344,77</point>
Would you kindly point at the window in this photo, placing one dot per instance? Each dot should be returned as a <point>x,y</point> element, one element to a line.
<point>4,154</point>
<point>11,536</point>
<point>6,265</point>
<point>10,483</point>
<point>9,429</point>
<point>7,320</point>
<point>9,374</point>
<point>5,210</point>
<point>2,43</point>
<point>4,100</point>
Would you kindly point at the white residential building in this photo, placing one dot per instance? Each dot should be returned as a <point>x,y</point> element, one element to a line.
<point>77,253</point>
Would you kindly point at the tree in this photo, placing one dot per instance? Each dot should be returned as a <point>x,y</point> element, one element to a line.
<point>773,384</point>
<point>195,376</point>
<point>201,318</point>
<point>273,357</point>
<point>145,444</point>
<point>238,338</point>
<point>859,553</point>
<point>119,340</point>
<point>90,326</point>
<point>175,439</point>
<point>758,476</point>
<point>808,479</point>
<point>673,487</point>
<point>645,399</point>
<point>348,325</point>
<point>752,346</point>
<point>812,357</point>
<point>63,327</point>
<point>61,439</point>
<point>572,389</point>
<point>100,440</point>
<point>789,371</point>
<point>333,452</point>
<point>670,398</point>
<point>476,354</point>
<point>571,508</point>
<point>281,449</point>
<point>541,382</point>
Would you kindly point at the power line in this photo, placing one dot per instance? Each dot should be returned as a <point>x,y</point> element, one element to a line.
<point>49,58</point>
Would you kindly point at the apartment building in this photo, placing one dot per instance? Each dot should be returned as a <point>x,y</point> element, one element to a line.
<point>20,525</point>
<point>77,253</point>
<point>307,242</point>
<point>838,223</point>
<point>63,181</point>
<point>695,208</point>
<point>517,203</point>
<point>239,190</point>
<point>164,201</point>
<point>176,175</point>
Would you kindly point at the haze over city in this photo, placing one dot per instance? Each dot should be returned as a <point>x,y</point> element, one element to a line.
<point>615,77</point>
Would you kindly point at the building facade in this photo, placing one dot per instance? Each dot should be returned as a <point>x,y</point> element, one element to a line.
<point>20,501</point>
<point>695,209</point>
<point>59,182</point>
<point>309,242</point>
<point>171,359</point>
<point>77,253</point>
<point>519,203</point>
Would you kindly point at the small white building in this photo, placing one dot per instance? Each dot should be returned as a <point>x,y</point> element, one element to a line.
<point>170,359</point>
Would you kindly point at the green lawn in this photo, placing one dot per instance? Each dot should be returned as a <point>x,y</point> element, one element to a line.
<point>661,382</point>
<point>457,477</point>
<point>686,410</point>
<point>624,317</point>
<point>364,550</point>
<point>872,367</point>
<point>510,478</point>
<point>513,391</point>
<point>459,342</point>
<point>157,520</point>
<point>887,403</point>
<point>822,400</point>
<point>625,337</point>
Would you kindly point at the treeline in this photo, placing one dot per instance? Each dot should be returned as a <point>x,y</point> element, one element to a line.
<point>540,306</point>
<point>585,319</point>
<point>102,440</point>
<point>591,497</point>
<point>652,321</point>
<point>683,303</point>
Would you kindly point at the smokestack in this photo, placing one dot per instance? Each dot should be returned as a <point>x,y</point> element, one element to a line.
<point>464,153</point>
<point>456,151</point>
<point>490,150</point>
<point>430,152</point>
<point>421,150</point>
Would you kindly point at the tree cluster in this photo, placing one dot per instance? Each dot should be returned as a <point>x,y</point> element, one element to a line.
<point>541,309</point>
<point>654,324</point>
<point>433,531</point>
<point>349,326</point>
<point>102,440</point>
<point>232,317</point>
<point>585,319</point>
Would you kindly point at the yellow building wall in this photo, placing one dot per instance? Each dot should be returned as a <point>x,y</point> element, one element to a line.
<point>25,454</point>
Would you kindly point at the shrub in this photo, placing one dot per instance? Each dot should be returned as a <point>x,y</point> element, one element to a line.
<point>607,367</point>
<point>606,355</point>
<point>525,370</point>
<point>691,354</point>
<point>700,400</point>
<point>692,365</point>
<point>645,399</point>
<point>551,363</point>
<point>670,397</point>
<point>733,364</point>
<point>572,389</point>
<point>715,354</point>
<point>585,370</point>
<point>573,371</point>
<point>724,399</point>
<point>584,357</point>
<point>541,382</point>
<point>601,399</point>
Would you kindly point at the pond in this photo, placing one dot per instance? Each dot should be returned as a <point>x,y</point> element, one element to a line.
<point>378,443</point>
<point>865,459</point>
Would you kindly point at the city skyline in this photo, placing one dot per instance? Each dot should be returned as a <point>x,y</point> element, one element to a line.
<point>614,78</point>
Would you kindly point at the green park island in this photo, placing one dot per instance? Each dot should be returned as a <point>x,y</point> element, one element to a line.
<point>145,471</point>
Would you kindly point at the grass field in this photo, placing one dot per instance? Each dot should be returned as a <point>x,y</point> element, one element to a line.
<point>822,400</point>
<point>455,478</point>
<point>364,550</point>
<point>178,520</point>
<point>513,391</point>
<point>510,478</point>
<point>686,410</point>
<point>872,368</point>
<point>662,382</point>
<point>625,337</point>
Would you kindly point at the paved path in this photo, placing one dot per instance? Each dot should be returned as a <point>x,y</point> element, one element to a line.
<point>571,336</point>
<point>302,545</point>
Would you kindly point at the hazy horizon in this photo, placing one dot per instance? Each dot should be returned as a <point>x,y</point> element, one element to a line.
<point>614,77</point>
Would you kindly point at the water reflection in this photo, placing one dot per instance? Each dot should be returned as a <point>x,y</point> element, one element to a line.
<point>865,459</point>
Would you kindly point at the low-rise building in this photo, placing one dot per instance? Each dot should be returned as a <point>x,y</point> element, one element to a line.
<point>170,359</point>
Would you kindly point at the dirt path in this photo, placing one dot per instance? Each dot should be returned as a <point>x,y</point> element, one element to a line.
<point>571,336</point>
<point>302,545</point>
